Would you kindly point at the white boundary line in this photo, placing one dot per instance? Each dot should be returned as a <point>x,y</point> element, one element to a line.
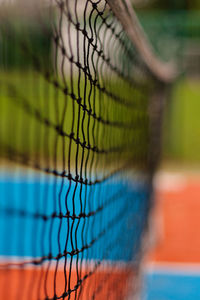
<point>182,269</point>
<point>105,264</point>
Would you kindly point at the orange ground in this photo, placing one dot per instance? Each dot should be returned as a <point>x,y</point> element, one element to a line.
<point>177,214</point>
<point>16,284</point>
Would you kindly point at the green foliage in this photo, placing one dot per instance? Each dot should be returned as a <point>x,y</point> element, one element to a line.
<point>174,4</point>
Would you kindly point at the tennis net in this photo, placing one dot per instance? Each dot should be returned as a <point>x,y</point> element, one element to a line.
<point>81,111</point>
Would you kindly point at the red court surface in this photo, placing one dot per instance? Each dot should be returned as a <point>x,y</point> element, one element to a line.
<point>177,219</point>
<point>172,266</point>
<point>32,284</point>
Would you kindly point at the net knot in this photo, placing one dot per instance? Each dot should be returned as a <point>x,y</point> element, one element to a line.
<point>94,5</point>
<point>67,214</point>
<point>55,83</point>
<point>44,218</point>
<point>71,135</point>
<point>90,77</point>
<point>65,90</point>
<point>77,285</point>
<point>59,256</point>
<point>82,215</point>
<point>36,262</point>
<point>46,121</point>
<point>100,52</point>
<point>84,32</point>
<point>50,256</point>
<point>78,64</point>
<point>79,100</point>
<point>69,176</point>
<point>73,217</point>
<point>60,215</point>
<point>78,141</point>
<point>55,172</point>
<point>53,215</point>
<point>68,292</point>
<point>85,69</point>
<point>63,51</point>
<point>73,96</point>
<point>77,25</point>
<point>63,174</point>
<point>65,294</point>
<point>76,177</point>
<point>73,252</point>
<point>58,128</point>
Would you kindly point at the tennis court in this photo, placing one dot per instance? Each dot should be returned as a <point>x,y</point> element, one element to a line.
<point>82,101</point>
<point>27,211</point>
<point>81,108</point>
<point>172,269</point>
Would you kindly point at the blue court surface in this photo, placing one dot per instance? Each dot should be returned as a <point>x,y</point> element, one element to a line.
<point>171,284</point>
<point>42,214</point>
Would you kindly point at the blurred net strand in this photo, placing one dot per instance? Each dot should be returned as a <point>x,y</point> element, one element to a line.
<point>125,13</point>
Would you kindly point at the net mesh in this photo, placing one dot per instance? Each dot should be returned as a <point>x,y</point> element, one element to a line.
<point>80,124</point>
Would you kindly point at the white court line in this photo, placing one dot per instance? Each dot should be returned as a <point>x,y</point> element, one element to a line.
<point>181,269</point>
<point>105,264</point>
<point>170,181</point>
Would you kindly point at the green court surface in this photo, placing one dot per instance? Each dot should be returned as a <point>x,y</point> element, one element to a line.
<point>31,104</point>
<point>182,123</point>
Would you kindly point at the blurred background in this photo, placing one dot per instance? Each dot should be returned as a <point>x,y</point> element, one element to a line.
<point>171,270</point>
<point>174,30</point>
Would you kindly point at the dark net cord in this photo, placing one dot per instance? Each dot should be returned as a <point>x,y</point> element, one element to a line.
<point>80,121</point>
